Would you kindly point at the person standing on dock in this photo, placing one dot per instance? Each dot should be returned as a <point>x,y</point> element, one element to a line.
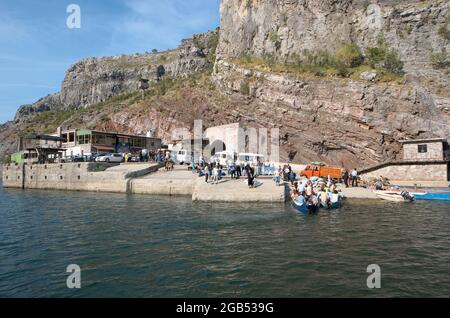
<point>238,171</point>
<point>249,174</point>
<point>345,178</point>
<point>215,175</point>
<point>355,177</point>
<point>207,173</point>
<point>278,174</point>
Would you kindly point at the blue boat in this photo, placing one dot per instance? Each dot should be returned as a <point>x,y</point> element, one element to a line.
<point>442,196</point>
<point>303,208</point>
<point>333,206</point>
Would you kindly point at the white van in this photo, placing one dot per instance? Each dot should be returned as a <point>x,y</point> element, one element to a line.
<point>251,158</point>
<point>224,157</point>
<point>183,157</point>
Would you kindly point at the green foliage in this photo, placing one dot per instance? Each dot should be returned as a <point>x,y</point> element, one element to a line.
<point>6,160</point>
<point>212,44</point>
<point>375,56</point>
<point>245,88</point>
<point>348,61</point>
<point>320,58</point>
<point>393,63</point>
<point>382,56</point>
<point>273,36</point>
<point>444,32</point>
<point>440,60</point>
<point>99,168</point>
<point>349,55</point>
<point>213,41</point>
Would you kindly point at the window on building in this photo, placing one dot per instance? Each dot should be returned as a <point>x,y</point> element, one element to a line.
<point>423,148</point>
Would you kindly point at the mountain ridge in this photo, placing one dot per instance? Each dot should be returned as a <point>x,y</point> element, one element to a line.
<point>302,66</point>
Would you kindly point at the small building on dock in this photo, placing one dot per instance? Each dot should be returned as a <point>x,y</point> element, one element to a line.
<point>38,149</point>
<point>424,160</point>
<point>80,142</point>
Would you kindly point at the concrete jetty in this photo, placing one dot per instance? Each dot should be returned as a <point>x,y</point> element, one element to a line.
<point>357,193</point>
<point>137,179</point>
<point>238,191</point>
<point>182,181</point>
<point>98,177</point>
<point>149,178</point>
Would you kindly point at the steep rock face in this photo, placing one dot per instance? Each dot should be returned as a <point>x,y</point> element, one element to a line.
<point>338,121</point>
<point>95,80</point>
<point>48,103</point>
<point>335,120</point>
<point>286,27</point>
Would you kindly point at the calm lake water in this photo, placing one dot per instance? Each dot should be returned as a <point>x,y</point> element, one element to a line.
<point>144,246</point>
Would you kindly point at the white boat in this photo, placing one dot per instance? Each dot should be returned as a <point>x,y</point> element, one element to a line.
<point>395,196</point>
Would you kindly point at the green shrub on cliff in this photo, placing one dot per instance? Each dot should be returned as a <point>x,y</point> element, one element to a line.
<point>381,56</point>
<point>348,61</point>
<point>6,160</point>
<point>443,30</point>
<point>440,60</point>
<point>349,55</point>
<point>245,88</point>
<point>393,63</point>
<point>375,56</point>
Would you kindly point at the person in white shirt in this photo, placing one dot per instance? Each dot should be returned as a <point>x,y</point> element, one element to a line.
<point>301,187</point>
<point>215,175</point>
<point>355,177</point>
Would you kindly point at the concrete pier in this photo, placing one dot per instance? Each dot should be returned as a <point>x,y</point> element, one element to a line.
<point>143,178</point>
<point>137,179</point>
<point>177,182</point>
<point>181,181</point>
<point>357,193</point>
<point>237,191</point>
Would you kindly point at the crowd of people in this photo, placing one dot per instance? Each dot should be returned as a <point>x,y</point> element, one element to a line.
<point>285,174</point>
<point>214,173</point>
<point>304,193</point>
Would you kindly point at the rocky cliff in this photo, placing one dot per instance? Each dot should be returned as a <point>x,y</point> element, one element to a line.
<point>95,80</point>
<point>327,109</point>
<point>338,119</point>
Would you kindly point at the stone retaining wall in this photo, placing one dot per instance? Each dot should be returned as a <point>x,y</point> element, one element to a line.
<point>411,172</point>
<point>73,176</point>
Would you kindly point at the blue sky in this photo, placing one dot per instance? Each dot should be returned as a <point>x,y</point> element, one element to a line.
<point>36,46</point>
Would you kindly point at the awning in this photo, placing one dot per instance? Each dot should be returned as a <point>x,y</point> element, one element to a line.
<point>99,148</point>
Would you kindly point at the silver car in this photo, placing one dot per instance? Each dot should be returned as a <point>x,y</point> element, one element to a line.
<point>110,157</point>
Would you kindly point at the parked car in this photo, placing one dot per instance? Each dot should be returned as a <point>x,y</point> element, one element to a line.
<point>182,157</point>
<point>251,158</point>
<point>224,157</point>
<point>109,157</point>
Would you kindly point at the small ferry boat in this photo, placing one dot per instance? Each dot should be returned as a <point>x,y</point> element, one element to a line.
<point>440,196</point>
<point>303,208</point>
<point>332,206</point>
<point>394,196</point>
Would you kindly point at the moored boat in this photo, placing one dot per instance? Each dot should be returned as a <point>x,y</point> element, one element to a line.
<point>395,196</point>
<point>332,206</point>
<point>306,209</point>
<point>441,196</point>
